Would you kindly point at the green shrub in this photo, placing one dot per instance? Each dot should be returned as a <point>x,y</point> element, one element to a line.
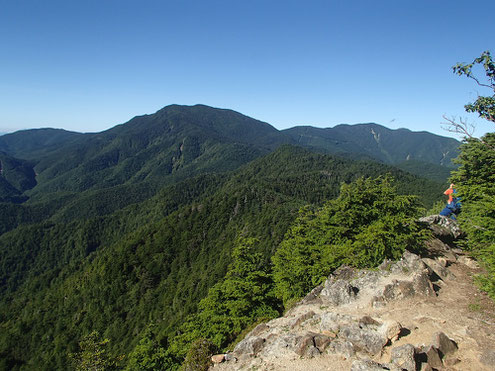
<point>199,356</point>
<point>244,296</point>
<point>475,181</point>
<point>367,223</point>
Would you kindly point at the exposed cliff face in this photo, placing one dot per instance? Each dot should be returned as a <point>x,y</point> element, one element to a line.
<point>420,313</point>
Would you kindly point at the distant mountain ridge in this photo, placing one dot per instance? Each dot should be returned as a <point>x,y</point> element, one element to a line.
<point>178,142</point>
<point>26,144</point>
<point>379,142</point>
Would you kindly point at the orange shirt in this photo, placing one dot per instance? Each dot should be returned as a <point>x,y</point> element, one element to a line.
<point>449,193</point>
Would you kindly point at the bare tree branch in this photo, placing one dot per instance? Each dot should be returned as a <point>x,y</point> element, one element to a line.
<point>464,128</point>
<point>491,86</point>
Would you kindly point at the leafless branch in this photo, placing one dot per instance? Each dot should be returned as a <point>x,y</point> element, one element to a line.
<point>489,86</point>
<point>464,128</point>
<point>461,127</point>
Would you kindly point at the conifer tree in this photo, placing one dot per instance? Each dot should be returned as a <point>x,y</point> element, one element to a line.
<point>149,355</point>
<point>231,305</point>
<point>367,223</point>
<point>93,355</point>
<point>475,178</point>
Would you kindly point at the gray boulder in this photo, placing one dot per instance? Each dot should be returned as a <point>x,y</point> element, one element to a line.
<point>338,292</point>
<point>367,365</point>
<point>443,343</point>
<point>250,346</point>
<point>403,357</point>
<point>442,226</point>
<point>364,338</point>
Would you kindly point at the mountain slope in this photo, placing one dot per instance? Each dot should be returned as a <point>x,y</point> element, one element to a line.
<point>99,173</point>
<point>127,164</point>
<point>34,143</point>
<point>154,261</point>
<point>376,141</point>
<point>16,176</point>
<point>177,142</point>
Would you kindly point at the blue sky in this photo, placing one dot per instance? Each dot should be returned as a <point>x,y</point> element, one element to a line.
<point>89,65</point>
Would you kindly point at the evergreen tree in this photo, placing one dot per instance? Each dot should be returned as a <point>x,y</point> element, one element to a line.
<point>93,354</point>
<point>367,223</point>
<point>475,178</point>
<point>475,181</point>
<point>244,296</point>
<point>149,355</point>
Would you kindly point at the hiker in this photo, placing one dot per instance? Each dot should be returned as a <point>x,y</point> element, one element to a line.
<point>453,207</point>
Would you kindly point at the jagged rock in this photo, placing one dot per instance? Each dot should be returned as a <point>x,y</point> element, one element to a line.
<point>398,290</point>
<point>470,262</point>
<point>452,361</point>
<point>313,296</point>
<point>440,271</point>
<point>218,358</point>
<point>321,341</point>
<point>394,330</point>
<point>312,352</point>
<point>431,355</point>
<point>342,347</point>
<point>332,322</point>
<point>403,357</point>
<point>299,320</point>
<point>450,256</point>
<point>408,264</point>
<point>365,338</point>
<point>367,320</point>
<point>344,272</point>
<point>249,346</point>
<point>442,261</point>
<point>423,285</point>
<point>259,329</point>
<point>438,249</point>
<point>330,334</point>
<point>335,320</point>
<point>338,292</point>
<point>378,302</point>
<point>443,343</point>
<point>442,226</point>
<point>367,365</point>
<point>366,279</point>
<point>305,345</point>
<point>230,358</point>
<point>420,285</point>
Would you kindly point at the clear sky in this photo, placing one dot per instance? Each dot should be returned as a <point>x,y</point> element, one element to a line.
<point>91,64</point>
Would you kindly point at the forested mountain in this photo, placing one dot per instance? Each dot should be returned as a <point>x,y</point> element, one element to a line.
<point>179,141</point>
<point>131,226</point>
<point>130,162</point>
<point>379,142</point>
<point>79,175</point>
<point>33,143</point>
<point>16,176</point>
<point>153,261</point>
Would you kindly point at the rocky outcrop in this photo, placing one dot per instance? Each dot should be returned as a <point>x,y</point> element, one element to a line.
<point>444,228</point>
<point>364,319</point>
